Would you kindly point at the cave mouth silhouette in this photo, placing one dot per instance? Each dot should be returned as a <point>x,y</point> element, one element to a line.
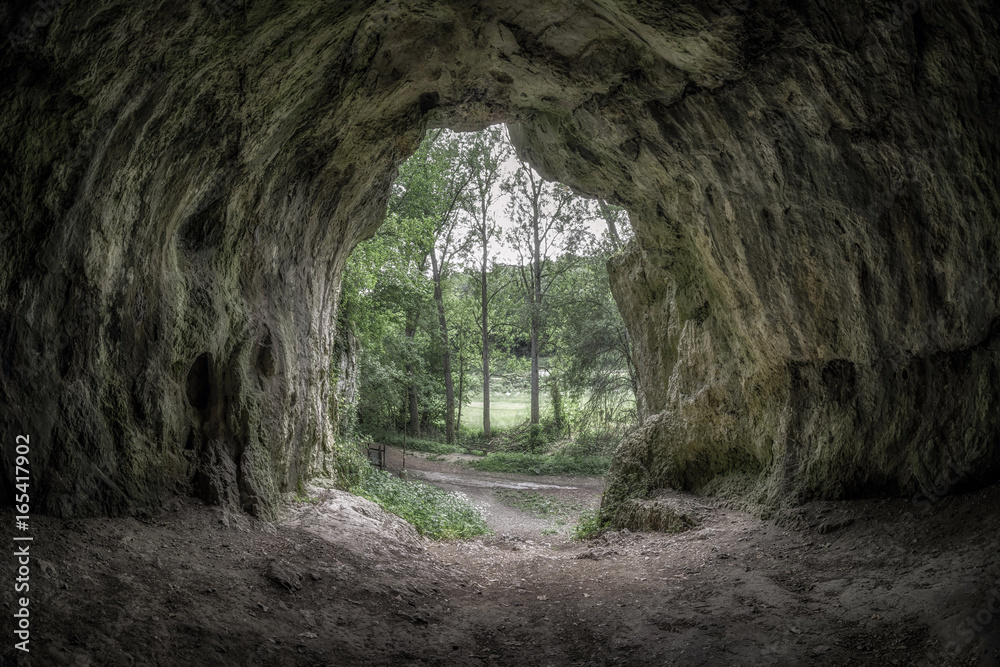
<point>810,195</point>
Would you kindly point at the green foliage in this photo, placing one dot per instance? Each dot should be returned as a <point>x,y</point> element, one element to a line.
<point>593,348</point>
<point>441,210</point>
<point>433,512</point>
<point>594,440</point>
<point>540,464</point>
<point>415,444</point>
<point>590,525</point>
<point>558,413</point>
<point>351,462</point>
<point>537,439</point>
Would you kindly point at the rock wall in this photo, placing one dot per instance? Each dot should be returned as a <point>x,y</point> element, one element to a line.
<point>813,290</point>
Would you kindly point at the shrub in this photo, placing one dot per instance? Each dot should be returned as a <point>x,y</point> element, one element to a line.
<point>558,414</point>
<point>539,464</point>
<point>590,525</point>
<point>351,462</point>
<point>435,513</point>
<point>594,442</point>
<point>414,444</point>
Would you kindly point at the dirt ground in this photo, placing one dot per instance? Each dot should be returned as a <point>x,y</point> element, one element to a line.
<point>339,582</point>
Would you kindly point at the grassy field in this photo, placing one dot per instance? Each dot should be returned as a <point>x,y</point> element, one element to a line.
<point>541,464</point>
<point>505,411</point>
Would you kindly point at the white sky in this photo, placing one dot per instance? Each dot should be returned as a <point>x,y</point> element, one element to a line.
<point>502,252</point>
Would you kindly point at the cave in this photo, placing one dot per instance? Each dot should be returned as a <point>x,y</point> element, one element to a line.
<point>813,290</point>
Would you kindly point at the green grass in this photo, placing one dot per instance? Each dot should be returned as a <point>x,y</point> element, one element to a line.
<point>540,464</point>
<point>505,411</point>
<point>435,513</point>
<point>541,505</point>
<point>589,525</point>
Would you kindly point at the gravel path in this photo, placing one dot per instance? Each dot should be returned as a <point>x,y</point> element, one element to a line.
<point>575,493</point>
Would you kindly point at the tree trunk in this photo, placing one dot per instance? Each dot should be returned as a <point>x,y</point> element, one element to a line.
<point>486,341</point>
<point>609,218</point>
<point>449,385</point>
<point>536,312</point>
<point>411,390</point>
<point>413,407</point>
<point>461,383</point>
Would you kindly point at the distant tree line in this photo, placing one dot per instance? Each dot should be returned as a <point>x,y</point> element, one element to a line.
<point>437,312</point>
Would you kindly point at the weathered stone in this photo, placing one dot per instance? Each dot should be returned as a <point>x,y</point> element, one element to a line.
<point>285,575</point>
<point>814,288</point>
<point>666,513</point>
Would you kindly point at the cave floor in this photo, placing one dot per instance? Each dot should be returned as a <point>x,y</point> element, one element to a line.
<point>338,582</point>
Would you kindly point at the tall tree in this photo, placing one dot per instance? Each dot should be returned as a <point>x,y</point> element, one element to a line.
<point>488,150</point>
<point>432,186</point>
<point>382,294</point>
<point>593,344</point>
<point>550,222</point>
<point>616,219</point>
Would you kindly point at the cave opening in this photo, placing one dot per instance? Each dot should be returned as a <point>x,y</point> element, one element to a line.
<point>487,329</point>
<point>809,195</point>
<point>199,383</point>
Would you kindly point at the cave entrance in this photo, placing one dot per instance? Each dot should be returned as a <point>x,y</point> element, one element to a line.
<point>487,327</point>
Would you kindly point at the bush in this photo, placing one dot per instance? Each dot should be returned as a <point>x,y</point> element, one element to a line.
<point>415,444</point>
<point>351,462</point>
<point>590,525</point>
<point>525,437</point>
<point>539,464</point>
<point>435,513</point>
<point>594,442</point>
<point>558,414</point>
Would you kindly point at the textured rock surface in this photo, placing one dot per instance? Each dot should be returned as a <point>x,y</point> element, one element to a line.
<point>813,291</point>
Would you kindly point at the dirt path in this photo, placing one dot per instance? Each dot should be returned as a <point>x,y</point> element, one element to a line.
<point>567,497</point>
<point>339,582</point>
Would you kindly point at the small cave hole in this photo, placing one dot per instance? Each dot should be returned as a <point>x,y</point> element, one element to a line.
<point>198,383</point>
<point>265,357</point>
<point>65,359</point>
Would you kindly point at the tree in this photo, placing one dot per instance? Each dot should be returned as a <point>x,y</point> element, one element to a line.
<point>616,219</point>
<point>593,343</point>
<point>550,222</point>
<point>487,151</point>
<point>431,186</point>
<point>382,294</point>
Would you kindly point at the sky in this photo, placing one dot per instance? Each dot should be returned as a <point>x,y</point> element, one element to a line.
<point>507,255</point>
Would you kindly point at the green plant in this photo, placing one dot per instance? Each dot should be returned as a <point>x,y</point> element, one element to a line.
<point>590,525</point>
<point>414,444</point>
<point>536,443</point>
<point>351,462</point>
<point>558,413</point>
<point>434,512</point>
<point>594,441</point>
<point>539,464</point>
